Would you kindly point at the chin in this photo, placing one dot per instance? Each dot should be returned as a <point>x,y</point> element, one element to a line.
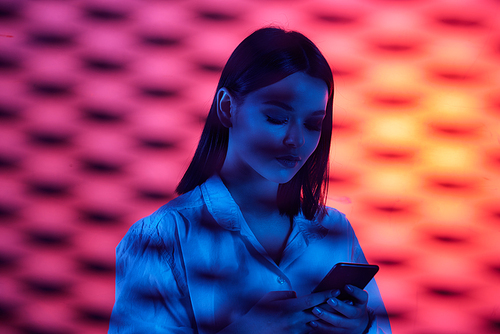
<point>282,176</point>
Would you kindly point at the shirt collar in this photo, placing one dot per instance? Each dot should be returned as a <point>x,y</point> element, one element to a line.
<point>227,214</point>
<point>221,204</point>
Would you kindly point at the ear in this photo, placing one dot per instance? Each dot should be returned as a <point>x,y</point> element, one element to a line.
<point>225,104</point>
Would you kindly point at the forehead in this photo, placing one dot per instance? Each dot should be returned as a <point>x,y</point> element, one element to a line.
<point>297,88</point>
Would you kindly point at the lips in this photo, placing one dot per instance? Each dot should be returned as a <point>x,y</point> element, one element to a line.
<point>289,161</point>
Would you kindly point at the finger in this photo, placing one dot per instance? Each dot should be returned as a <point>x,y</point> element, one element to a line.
<point>277,295</point>
<point>321,326</point>
<point>360,296</point>
<point>309,301</point>
<point>330,319</point>
<point>272,300</point>
<point>346,309</point>
<point>307,316</point>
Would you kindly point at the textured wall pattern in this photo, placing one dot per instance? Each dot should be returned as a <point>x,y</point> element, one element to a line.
<point>102,103</point>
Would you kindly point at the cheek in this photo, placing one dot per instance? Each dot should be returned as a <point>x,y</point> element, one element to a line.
<point>264,142</point>
<point>311,141</point>
<point>254,136</point>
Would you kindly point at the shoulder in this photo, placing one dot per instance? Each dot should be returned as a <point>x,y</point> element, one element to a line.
<point>157,232</point>
<point>329,222</point>
<point>164,217</point>
<point>333,219</point>
<point>336,222</point>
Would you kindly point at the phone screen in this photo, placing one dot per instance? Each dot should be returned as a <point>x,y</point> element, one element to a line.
<point>357,274</point>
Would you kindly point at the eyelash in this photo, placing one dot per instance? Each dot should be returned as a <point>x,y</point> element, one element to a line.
<point>276,121</point>
<point>315,127</point>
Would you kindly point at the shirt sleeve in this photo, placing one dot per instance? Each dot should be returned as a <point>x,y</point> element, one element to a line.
<point>151,294</point>
<point>379,319</point>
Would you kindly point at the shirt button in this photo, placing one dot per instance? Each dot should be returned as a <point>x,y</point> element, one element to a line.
<point>280,280</point>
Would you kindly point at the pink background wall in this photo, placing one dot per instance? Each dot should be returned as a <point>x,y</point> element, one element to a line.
<point>102,104</point>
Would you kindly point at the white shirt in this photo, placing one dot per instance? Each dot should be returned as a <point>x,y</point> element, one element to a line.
<point>194,265</point>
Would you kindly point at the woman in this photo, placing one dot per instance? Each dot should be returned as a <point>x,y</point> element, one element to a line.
<point>249,237</point>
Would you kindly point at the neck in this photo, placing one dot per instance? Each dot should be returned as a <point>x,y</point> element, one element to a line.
<point>250,191</point>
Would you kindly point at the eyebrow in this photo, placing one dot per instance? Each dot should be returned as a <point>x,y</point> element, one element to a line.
<point>288,107</point>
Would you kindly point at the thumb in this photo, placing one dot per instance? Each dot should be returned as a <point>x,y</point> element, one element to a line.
<point>277,295</point>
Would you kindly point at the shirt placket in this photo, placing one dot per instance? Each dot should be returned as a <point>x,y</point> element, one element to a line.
<point>296,245</point>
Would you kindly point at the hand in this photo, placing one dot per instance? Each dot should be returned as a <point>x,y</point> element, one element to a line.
<point>343,316</point>
<point>280,312</point>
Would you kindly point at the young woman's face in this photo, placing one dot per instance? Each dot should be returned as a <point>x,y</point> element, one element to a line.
<point>275,129</point>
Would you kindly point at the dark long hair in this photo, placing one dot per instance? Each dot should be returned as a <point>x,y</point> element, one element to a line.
<point>265,57</point>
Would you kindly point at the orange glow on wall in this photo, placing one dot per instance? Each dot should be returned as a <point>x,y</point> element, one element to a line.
<point>102,104</point>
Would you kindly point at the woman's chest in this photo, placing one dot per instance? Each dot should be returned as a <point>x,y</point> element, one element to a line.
<point>272,233</point>
<point>226,274</point>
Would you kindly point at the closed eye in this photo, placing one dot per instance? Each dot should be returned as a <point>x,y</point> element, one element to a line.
<point>276,121</point>
<point>314,126</point>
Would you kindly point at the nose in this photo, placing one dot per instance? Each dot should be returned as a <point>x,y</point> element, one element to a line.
<point>294,136</point>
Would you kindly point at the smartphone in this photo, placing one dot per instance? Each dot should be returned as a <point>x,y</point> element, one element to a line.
<point>357,274</point>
